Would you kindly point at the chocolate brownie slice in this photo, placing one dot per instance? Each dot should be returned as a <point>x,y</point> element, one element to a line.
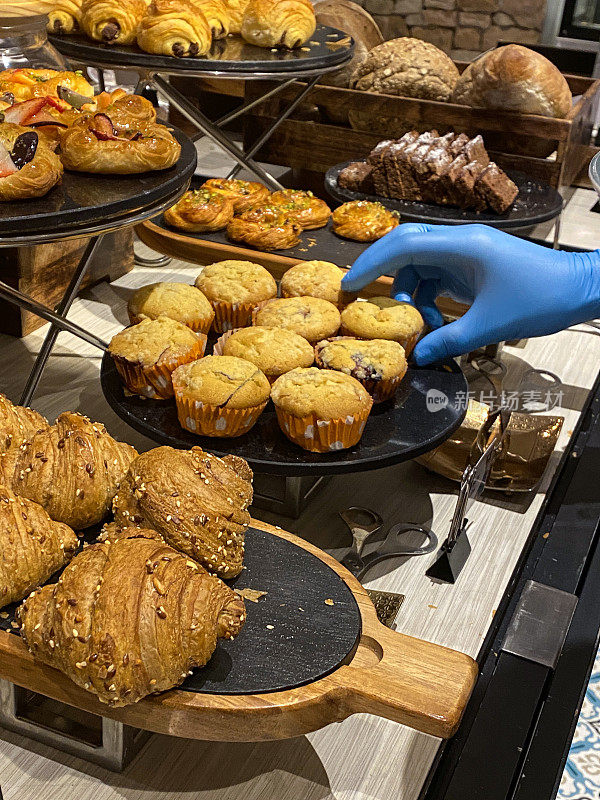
<point>357,177</point>
<point>375,159</point>
<point>429,172</point>
<point>391,162</point>
<point>408,159</point>
<point>465,184</point>
<point>475,150</point>
<point>493,187</point>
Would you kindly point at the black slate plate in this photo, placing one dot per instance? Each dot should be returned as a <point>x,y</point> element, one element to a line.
<point>232,54</point>
<point>396,431</point>
<point>82,199</point>
<point>309,638</point>
<point>537,202</point>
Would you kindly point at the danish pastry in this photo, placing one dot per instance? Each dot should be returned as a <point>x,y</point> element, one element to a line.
<point>235,9</point>
<point>112,21</point>
<point>25,84</point>
<point>117,146</point>
<point>303,207</point>
<point>200,211</point>
<point>244,194</point>
<point>28,167</point>
<point>278,23</point>
<point>266,228</point>
<point>363,221</point>
<point>119,104</point>
<point>175,28</point>
<point>217,16</point>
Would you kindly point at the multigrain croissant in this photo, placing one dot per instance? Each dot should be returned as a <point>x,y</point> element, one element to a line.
<point>17,424</point>
<point>73,469</point>
<point>32,546</point>
<point>175,28</point>
<point>278,23</point>
<point>129,617</point>
<point>28,166</point>
<point>117,145</point>
<point>195,500</point>
<point>112,21</point>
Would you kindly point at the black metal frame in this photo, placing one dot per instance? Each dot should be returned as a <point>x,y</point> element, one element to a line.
<point>515,737</point>
<point>570,29</point>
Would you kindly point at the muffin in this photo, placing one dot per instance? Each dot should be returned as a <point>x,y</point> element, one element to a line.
<point>178,301</point>
<point>273,350</point>
<point>146,354</point>
<point>220,395</point>
<point>234,289</point>
<point>378,364</point>
<point>321,410</point>
<point>310,317</point>
<point>383,318</point>
<point>316,279</point>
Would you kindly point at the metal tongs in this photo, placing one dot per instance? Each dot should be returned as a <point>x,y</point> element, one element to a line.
<point>456,548</point>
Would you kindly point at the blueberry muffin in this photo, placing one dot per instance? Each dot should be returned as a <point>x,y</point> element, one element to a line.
<point>220,395</point>
<point>273,350</point>
<point>383,318</point>
<point>310,317</point>
<point>178,301</point>
<point>316,279</point>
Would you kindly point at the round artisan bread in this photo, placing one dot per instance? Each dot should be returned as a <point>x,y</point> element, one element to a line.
<point>514,78</point>
<point>407,67</point>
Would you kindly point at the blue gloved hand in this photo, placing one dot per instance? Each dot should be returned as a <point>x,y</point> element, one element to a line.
<point>516,289</point>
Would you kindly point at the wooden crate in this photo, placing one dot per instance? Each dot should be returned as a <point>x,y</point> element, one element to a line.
<point>44,271</point>
<point>552,150</point>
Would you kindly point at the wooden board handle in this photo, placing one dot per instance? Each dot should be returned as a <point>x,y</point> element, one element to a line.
<point>408,680</point>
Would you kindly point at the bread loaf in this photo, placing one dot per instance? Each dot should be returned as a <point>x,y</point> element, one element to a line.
<point>514,78</point>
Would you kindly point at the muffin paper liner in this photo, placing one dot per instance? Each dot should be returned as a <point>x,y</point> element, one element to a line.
<point>230,316</point>
<point>220,343</point>
<point>155,382</point>
<point>323,435</point>
<point>198,325</point>
<point>207,420</point>
<point>408,344</point>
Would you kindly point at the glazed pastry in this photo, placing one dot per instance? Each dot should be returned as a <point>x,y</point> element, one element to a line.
<point>112,21</point>
<point>117,146</point>
<point>200,211</point>
<point>119,104</point>
<point>363,221</point>
<point>235,9</point>
<point>25,84</point>
<point>278,23</point>
<point>244,194</point>
<point>266,228</point>
<point>217,16</point>
<point>129,617</point>
<point>28,167</point>
<point>72,469</point>
<point>175,28</point>
<point>64,16</point>
<point>303,207</point>
<point>17,424</point>
<point>195,500</point>
<point>33,547</point>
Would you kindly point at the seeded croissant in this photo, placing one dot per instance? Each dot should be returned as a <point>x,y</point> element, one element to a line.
<point>195,500</point>
<point>129,616</point>
<point>32,546</point>
<point>73,469</point>
<point>17,424</point>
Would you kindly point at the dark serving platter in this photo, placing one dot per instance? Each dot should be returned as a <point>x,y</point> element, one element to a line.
<point>292,636</point>
<point>232,55</point>
<point>403,428</point>
<point>83,199</point>
<point>537,202</point>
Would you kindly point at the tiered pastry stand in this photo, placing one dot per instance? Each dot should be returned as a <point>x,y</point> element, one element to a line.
<point>327,51</point>
<point>85,206</point>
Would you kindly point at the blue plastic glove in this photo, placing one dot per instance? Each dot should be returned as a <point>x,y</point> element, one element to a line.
<point>516,289</point>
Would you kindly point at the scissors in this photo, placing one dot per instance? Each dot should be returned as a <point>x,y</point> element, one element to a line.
<point>364,524</point>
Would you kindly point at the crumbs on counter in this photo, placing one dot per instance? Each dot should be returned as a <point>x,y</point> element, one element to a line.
<point>253,595</point>
<point>329,602</point>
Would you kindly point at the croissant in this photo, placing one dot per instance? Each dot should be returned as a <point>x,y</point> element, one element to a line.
<point>33,547</point>
<point>266,228</point>
<point>216,14</point>
<point>130,616</point>
<point>112,21</point>
<point>175,28</point>
<point>17,424</point>
<point>199,211</point>
<point>117,145</point>
<point>64,15</point>
<point>235,9</point>
<point>28,166</point>
<point>278,23</point>
<point>73,469</point>
<point>196,501</point>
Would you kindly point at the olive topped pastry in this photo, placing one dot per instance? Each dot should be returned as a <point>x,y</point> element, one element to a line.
<point>28,167</point>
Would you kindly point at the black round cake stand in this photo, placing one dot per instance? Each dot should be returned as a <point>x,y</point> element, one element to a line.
<point>326,51</point>
<point>537,202</point>
<point>429,406</point>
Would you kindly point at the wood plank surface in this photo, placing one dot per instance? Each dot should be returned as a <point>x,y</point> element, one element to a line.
<point>363,757</point>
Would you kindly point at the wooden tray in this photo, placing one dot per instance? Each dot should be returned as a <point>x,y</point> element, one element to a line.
<point>391,675</point>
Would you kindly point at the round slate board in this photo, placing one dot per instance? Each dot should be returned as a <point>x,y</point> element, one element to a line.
<point>401,429</point>
<point>83,199</point>
<point>537,202</point>
<point>230,55</point>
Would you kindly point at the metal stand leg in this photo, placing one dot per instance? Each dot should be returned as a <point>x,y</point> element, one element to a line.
<point>62,310</point>
<point>556,240</point>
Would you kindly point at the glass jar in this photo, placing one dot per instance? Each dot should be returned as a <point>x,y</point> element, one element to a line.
<point>24,43</point>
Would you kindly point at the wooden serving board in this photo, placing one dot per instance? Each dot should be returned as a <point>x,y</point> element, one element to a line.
<point>407,680</point>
